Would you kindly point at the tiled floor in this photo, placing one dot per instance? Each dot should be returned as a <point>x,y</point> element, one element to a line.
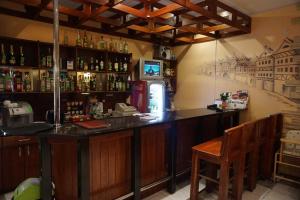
<point>263,191</point>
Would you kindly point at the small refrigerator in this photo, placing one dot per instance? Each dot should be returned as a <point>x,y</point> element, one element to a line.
<point>148,96</point>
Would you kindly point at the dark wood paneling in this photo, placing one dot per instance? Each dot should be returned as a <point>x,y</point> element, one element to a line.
<point>187,131</point>
<point>1,161</point>
<point>64,169</point>
<point>110,165</point>
<point>12,167</point>
<point>154,153</point>
<point>32,161</point>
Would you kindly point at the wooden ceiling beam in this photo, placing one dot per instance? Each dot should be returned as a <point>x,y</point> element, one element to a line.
<point>167,9</point>
<point>93,14</point>
<point>130,10</point>
<point>67,11</point>
<point>163,28</point>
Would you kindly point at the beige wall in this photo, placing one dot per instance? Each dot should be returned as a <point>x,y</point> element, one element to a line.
<point>196,89</point>
<point>33,30</point>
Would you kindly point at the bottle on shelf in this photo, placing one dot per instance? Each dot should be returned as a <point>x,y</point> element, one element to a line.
<point>125,65</point>
<point>93,83</point>
<point>97,65</point>
<point>111,45</point>
<point>125,47</point>
<point>110,67</point>
<point>49,59</point>
<point>91,43</point>
<point>101,44</point>
<point>128,83</point>
<point>11,57</point>
<point>85,40</point>
<point>3,55</point>
<point>27,82</point>
<point>18,82</point>
<point>8,82</point>
<point>79,83</point>
<point>81,66</point>
<point>22,57</point>
<point>121,46</point>
<point>78,40</point>
<point>121,69</point>
<point>48,82</point>
<point>101,63</point>
<point>43,82</point>
<point>85,65</point>
<point>92,67</point>
<point>116,65</point>
<point>2,81</point>
<point>72,83</point>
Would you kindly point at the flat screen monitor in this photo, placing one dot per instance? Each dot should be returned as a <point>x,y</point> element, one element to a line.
<point>150,69</point>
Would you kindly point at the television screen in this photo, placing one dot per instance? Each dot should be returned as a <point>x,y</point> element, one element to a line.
<point>151,68</point>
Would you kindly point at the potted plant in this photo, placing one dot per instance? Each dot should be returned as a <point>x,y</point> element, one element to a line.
<point>224,97</point>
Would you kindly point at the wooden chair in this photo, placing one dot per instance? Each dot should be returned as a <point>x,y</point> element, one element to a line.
<point>251,150</point>
<point>222,151</point>
<point>269,129</point>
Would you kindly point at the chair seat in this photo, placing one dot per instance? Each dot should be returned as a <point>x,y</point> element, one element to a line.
<point>210,150</point>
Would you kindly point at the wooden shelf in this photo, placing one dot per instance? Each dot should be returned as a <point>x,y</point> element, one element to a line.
<point>74,92</point>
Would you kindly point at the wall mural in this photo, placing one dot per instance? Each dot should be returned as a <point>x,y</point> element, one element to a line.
<point>276,71</point>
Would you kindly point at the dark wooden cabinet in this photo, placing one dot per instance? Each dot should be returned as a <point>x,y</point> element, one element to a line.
<point>110,165</point>
<point>64,168</point>
<point>154,160</point>
<point>20,160</point>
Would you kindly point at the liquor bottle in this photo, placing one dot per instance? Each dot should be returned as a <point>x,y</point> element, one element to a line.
<point>27,82</point>
<point>79,83</point>
<point>18,83</point>
<point>112,83</point>
<point>11,57</point>
<point>121,46</point>
<point>81,64</point>
<point>48,82</point>
<point>8,82</point>
<point>22,58</point>
<point>128,83</point>
<point>125,65</point>
<point>49,59</point>
<point>92,67</point>
<point>2,81</point>
<point>116,65</point>
<point>101,63</point>
<point>121,65</point>
<point>93,83</point>
<point>78,40</point>
<point>43,82</point>
<point>3,55</point>
<point>101,43</point>
<point>44,61</point>
<point>85,65</point>
<point>97,65</point>
<point>85,40</point>
<point>125,47</point>
<point>108,83</point>
<point>110,68</point>
<point>91,42</point>
<point>111,45</point>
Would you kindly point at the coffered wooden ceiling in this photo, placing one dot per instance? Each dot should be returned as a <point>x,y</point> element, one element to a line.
<point>168,22</point>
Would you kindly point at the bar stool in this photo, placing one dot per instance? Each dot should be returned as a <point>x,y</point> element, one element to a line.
<point>222,151</point>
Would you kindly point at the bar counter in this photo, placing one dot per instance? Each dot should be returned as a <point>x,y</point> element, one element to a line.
<point>131,158</point>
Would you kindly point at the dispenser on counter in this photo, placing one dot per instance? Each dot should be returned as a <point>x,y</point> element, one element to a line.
<point>16,114</point>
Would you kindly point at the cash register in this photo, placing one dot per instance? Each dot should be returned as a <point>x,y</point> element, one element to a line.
<point>122,110</point>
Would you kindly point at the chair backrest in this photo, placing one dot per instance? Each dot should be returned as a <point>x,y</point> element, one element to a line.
<point>250,135</point>
<point>262,129</point>
<point>232,145</point>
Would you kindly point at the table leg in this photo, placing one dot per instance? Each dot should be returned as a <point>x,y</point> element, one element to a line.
<point>136,163</point>
<point>46,182</point>
<point>172,158</point>
<point>83,169</point>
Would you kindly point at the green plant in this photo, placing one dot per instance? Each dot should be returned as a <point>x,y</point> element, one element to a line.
<point>224,96</point>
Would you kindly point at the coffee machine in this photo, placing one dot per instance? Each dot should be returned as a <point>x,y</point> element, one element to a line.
<point>16,114</point>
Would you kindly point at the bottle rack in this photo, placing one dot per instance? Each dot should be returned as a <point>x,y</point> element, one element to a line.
<point>36,51</point>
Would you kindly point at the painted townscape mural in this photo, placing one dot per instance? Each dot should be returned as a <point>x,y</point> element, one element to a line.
<point>276,71</point>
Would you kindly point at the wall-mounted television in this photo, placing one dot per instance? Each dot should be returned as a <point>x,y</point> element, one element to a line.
<point>151,69</point>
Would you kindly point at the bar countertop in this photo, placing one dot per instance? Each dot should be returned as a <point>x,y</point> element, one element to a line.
<point>123,123</point>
